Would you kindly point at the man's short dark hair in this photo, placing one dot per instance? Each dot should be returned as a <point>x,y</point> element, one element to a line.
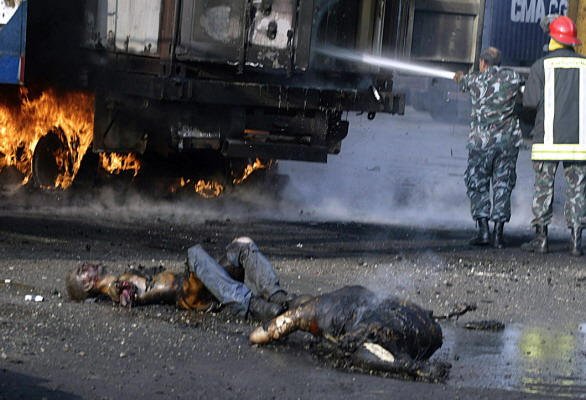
<point>491,56</point>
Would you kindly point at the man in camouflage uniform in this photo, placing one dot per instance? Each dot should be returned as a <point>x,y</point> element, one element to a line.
<point>493,144</point>
<point>556,88</point>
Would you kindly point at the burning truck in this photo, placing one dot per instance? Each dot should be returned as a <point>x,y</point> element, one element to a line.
<point>204,84</point>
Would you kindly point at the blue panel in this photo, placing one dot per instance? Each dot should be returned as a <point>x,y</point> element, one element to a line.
<point>12,45</point>
<point>9,72</point>
<point>513,27</point>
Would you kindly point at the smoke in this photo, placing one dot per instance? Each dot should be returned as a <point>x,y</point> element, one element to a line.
<point>402,170</point>
<point>405,170</point>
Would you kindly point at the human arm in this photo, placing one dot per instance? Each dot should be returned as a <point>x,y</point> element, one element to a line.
<point>463,80</point>
<point>533,93</point>
<point>373,357</point>
<point>300,318</point>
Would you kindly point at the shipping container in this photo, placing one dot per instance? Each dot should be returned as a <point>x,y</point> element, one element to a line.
<point>446,32</point>
<point>513,27</point>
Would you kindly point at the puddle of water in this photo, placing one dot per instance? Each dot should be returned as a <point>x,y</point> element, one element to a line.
<point>550,361</point>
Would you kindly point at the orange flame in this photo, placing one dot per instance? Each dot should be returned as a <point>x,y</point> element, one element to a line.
<point>22,126</point>
<point>115,163</point>
<point>250,168</point>
<point>208,189</point>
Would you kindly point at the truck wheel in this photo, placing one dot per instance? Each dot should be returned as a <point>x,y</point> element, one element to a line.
<point>52,162</point>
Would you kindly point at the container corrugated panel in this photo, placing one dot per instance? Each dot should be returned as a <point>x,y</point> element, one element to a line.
<point>513,27</point>
<point>12,41</point>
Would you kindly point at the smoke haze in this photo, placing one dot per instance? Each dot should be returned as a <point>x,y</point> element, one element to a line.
<point>401,170</point>
<point>406,170</point>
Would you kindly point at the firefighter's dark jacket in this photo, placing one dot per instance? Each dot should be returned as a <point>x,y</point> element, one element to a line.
<point>554,87</point>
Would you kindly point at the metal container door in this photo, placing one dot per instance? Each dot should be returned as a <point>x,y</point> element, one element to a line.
<point>213,31</point>
<point>272,34</point>
<point>447,31</point>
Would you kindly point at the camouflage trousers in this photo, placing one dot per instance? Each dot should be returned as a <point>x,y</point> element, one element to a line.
<point>575,207</point>
<point>495,164</point>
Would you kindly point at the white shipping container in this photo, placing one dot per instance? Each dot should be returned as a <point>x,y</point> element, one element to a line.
<point>131,26</point>
<point>7,10</point>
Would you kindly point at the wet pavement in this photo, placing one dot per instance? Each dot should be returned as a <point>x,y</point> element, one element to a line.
<point>532,359</point>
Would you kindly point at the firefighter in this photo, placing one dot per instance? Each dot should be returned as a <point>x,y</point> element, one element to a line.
<point>245,282</point>
<point>493,144</point>
<point>555,87</point>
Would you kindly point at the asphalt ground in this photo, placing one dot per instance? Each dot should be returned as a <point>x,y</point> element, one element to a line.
<point>389,213</point>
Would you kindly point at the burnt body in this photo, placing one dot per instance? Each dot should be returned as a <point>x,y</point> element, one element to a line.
<point>139,287</point>
<point>245,281</point>
<point>385,334</point>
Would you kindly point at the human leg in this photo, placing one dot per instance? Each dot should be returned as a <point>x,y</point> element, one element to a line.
<point>504,178</point>
<point>575,207</point>
<point>215,278</point>
<point>259,274</point>
<point>299,318</point>
<point>477,180</point>
<point>544,192</point>
<point>542,204</point>
<point>228,291</point>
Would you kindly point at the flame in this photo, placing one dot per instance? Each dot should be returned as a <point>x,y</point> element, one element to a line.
<point>115,163</point>
<point>250,168</point>
<point>208,189</point>
<point>22,125</point>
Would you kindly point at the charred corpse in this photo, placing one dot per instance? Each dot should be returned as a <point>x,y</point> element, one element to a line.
<point>245,282</point>
<point>388,335</point>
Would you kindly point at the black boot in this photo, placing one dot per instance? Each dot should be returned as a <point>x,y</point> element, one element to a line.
<point>261,309</point>
<point>497,235</point>
<point>482,237</point>
<point>576,245</point>
<point>539,243</point>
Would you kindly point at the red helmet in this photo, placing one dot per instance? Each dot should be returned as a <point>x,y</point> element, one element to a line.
<point>563,30</point>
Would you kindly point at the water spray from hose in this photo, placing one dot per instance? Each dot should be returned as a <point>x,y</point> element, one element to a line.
<point>386,63</point>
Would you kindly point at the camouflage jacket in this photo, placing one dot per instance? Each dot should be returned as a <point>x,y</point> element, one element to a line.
<point>493,93</point>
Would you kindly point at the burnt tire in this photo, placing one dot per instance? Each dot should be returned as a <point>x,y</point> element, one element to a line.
<point>51,160</point>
